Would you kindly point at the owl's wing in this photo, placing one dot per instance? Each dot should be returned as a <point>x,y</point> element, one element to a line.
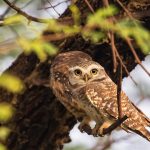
<point>102,99</point>
<point>147,119</point>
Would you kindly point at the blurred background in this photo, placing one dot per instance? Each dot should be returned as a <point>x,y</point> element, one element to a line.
<point>9,50</point>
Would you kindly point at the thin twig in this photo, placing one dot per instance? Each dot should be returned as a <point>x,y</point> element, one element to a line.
<point>48,7</point>
<point>125,9</point>
<point>53,8</point>
<point>19,11</point>
<point>129,42</point>
<point>125,68</point>
<point>111,37</point>
<point>136,56</point>
<point>105,3</point>
<point>28,3</point>
<point>119,84</point>
<point>7,10</point>
<point>123,65</point>
<point>116,124</point>
<point>65,20</point>
<point>89,5</point>
<point>113,51</point>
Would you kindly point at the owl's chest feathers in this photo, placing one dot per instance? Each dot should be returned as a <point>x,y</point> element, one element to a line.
<point>86,105</point>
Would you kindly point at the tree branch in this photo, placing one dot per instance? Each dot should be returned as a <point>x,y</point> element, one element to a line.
<point>119,84</point>
<point>114,125</point>
<point>29,17</point>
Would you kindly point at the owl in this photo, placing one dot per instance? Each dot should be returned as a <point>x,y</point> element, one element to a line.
<point>85,89</point>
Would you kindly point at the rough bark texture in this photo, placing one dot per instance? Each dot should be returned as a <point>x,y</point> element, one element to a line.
<point>41,122</point>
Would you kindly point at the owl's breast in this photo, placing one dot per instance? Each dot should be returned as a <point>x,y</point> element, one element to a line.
<point>87,106</point>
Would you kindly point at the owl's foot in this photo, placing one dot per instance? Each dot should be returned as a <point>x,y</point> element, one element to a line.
<point>85,127</point>
<point>105,125</point>
<point>95,130</point>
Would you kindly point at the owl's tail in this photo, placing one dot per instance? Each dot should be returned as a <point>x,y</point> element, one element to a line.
<point>142,132</point>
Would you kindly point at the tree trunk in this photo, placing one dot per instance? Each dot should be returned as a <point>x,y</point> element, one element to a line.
<point>41,122</point>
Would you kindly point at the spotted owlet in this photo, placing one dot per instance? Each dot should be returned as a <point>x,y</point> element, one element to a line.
<point>85,89</point>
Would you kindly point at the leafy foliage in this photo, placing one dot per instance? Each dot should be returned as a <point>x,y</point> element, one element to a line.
<point>6,112</point>
<point>16,19</point>
<point>11,83</point>
<point>95,29</point>
<point>39,47</point>
<point>2,147</point>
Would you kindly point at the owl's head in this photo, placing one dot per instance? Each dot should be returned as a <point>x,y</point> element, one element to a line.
<point>76,67</point>
<point>83,72</point>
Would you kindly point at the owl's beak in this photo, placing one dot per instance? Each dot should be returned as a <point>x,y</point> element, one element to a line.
<point>86,77</point>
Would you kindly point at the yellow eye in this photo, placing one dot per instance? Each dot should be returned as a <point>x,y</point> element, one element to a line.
<point>94,71</point>
<point>78,72</point>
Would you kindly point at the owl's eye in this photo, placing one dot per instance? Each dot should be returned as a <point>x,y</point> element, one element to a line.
<point>78,72</point>
<point>94,71</point>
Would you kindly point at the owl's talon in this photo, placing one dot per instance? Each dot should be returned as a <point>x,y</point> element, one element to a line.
<point>84,125</point>
<point>81,128</point>
<point>85,128</point>
<point>95,130</point>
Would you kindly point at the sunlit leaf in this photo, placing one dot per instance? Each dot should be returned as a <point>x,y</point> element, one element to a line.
<point>6,112</point>
<point>11,83</point>
<point>55,26</point>
<point>14,20</point>
<point>66,29</point>
<point>71,30</point>
<point>2,147</point>
<point>129,28</point>
<point>4,132</point>
<point>50,49</point>
<point>101,14</point>
<point>75,14</point>
<point>94,36</point>
<point>39,47</point>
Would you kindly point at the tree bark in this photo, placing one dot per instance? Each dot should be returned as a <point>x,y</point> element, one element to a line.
<point>41,122</point>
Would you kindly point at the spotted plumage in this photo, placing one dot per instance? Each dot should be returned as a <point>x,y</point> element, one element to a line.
<point>85,89</point>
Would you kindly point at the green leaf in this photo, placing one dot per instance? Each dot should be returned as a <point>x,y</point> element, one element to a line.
<point>94,36</point>
<point>4,132</point>
<point>50,49</point>
<point>101,14</point>
<point>2,147</point>
<point>75,14</point>
<point>55,26</point>
<point>15,20</point>
<point>11,83</point>
<point>128,28</point>
<point>6,112</point>
<point>41,48</point>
